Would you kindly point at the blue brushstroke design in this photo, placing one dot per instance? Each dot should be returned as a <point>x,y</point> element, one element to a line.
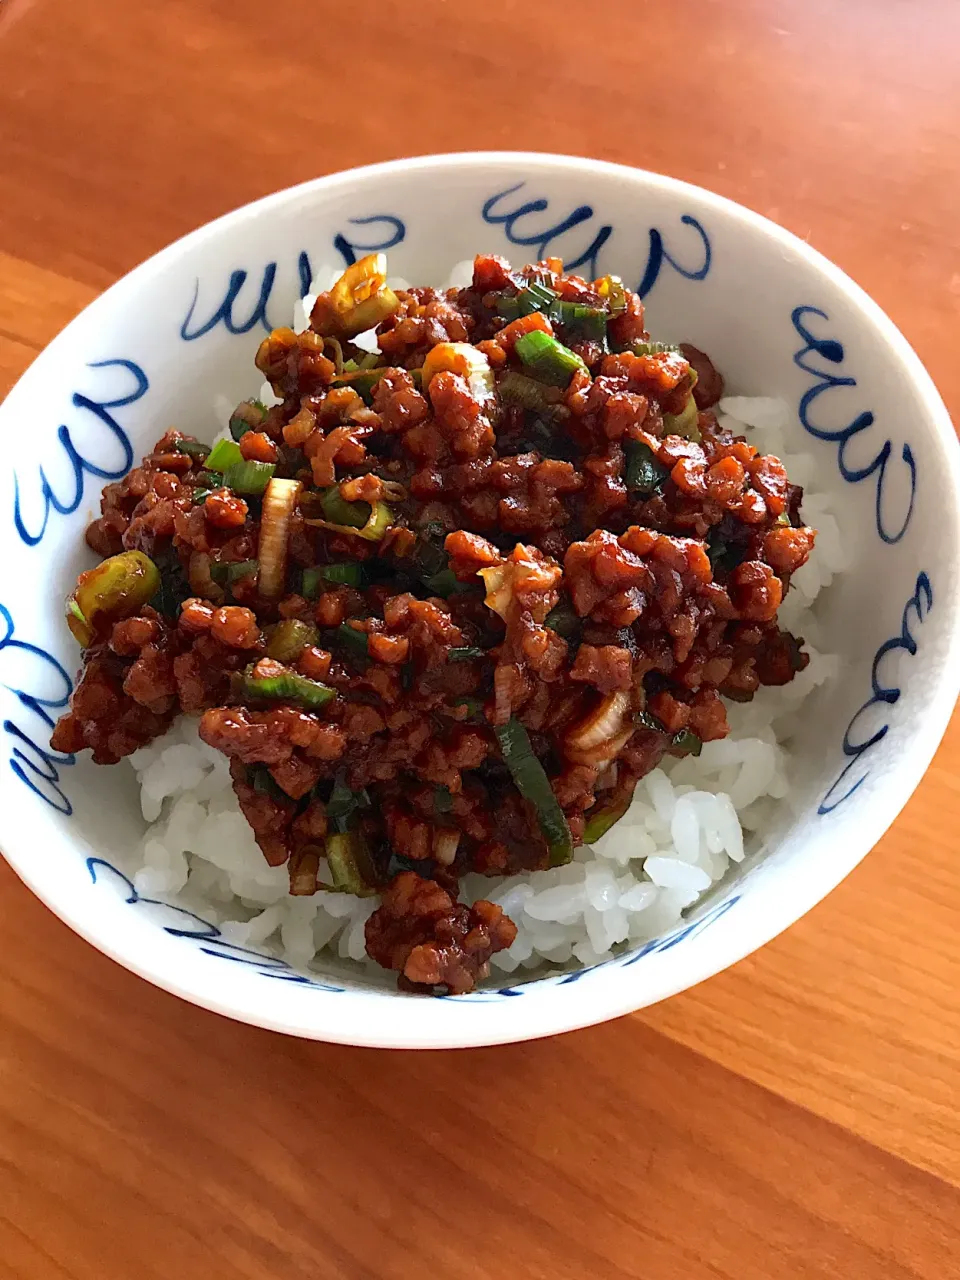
<point>350,249</point>
<point>882,691</point>
<point>832,351</point>
<point>34,764</point>
<point>81,464</point>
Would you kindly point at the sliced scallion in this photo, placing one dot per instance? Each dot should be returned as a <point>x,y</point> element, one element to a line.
<point>351,868</point>
<point>601,818</point>
<point>644,474</point>
<point>225,453</point>
<point>687,742</point>
<point>533,784</point>
<point>653,348</point>
<point>563,621</point>
<point>288,639</point>
<point>547,359</point>
<point>351,641</point>
<point>288,686</point>
<point>250,478</point>
<point>464,653</point>
<point>193,449</point>
<point>685,423</point>
<point>516,389</point>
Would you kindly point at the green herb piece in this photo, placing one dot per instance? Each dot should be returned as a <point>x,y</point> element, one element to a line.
<point>563,621</point>
<point>351,868</point>
<point>601,818</point>
<point>288,686</point>
<point>225,453</point>
<point>685,423</point>
<point>547,359</point>
<point>442,801</point>
<point>249,478</point>
<point>464,653</point>
<point>193,449</point>
<point>653,348</point>
<point>644,474</point>
<point>288,639</point>
<point>525,393</point>
<point>533,784</point>
<point>248,416</point>
<point>352,641</point>
<point>687,742</point>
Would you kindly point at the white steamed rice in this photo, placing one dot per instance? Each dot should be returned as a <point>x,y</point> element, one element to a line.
<point>689,821</point>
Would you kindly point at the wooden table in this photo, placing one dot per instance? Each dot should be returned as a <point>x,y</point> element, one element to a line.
<point>793,1117</point>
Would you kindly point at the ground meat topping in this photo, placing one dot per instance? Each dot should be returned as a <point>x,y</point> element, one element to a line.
<point>519,560</point>
<point>433,940</point>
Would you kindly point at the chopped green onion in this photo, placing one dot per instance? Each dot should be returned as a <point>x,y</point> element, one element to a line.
<point>225,453</point>
<point>442,801</point>
<point>193,449</point>
<point>360,518</point>
<point>547,359</point>
<point>370,360</point>
<point>248,416</point>
<point>687,742</point>
<point>783,518</point>
<point>288,686</point>
<point>242,569</point>
<point>209,479</point>
<point>363,381</point>
<point>724,556</point>
<point>352,641</point>
<point>249,478</point>
<point>563,621</point>
<point>442,584</point>
<point>311,582</point>
<point>351,868</point>
<point>533,784</point>
<point>337,510</point>
<point>201,495</point>
<point>525,393</point>
<point>611,289</point>
<point>348,573</point>
<point>602,817</point>
<point>381,518</point>
<point>116,588</point>
<point>343,803</point>
<point>645,720</point>
<point>464,653</point>
<point>536,297</point>
<point>230,571</point>
<point>653,348</point>
<point>581,321</point>
<point>643,472</point>
<point>289,638</point>
<point>350,366</point>
<point>508,307</point>
<point>263,782</point>
<point>684,423</point>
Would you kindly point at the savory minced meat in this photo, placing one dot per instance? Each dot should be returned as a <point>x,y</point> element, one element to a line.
<point>443,606</point>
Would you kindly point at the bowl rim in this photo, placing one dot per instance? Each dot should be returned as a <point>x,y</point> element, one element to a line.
<point>417,1023</point>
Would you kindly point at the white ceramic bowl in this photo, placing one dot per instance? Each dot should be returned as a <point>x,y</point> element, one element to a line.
<point>777,318</point>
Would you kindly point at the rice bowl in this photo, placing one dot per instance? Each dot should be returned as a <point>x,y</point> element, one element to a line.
<point>838,804</point>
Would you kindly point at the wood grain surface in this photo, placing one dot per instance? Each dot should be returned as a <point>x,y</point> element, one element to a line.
<point>797,1116</point>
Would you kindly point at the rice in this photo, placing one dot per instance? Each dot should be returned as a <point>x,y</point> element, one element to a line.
<point>691,819</point>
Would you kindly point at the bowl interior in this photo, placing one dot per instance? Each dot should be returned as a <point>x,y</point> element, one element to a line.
<point>173,344</point>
